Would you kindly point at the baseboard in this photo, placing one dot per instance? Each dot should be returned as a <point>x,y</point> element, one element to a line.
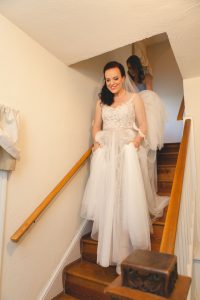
<point>84,228</point>
<point>195,288</point>
<point>197,251</point>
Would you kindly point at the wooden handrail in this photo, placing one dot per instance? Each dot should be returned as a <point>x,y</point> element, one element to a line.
<point>170,229</point>
<point>37,212</point>
<point>181,110</point>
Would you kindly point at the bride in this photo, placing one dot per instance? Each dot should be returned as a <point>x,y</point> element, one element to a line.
<point>114,197</point>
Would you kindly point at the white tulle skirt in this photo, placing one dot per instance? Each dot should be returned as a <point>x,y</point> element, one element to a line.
<point>115,198</point>
<point>156,119</point>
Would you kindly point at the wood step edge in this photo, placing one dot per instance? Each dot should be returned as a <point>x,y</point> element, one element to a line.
<point>162,193</point>
<point>90,277</point>
<point>160,166</point>
<point>159,223</point>
<point>89,240</point>
<point>63,296</point>
<point>171,143</point>
<point>165,181</point>
<point>165,153</point>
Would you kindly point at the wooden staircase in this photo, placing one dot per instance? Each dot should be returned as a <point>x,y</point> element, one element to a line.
<point>84,279</point>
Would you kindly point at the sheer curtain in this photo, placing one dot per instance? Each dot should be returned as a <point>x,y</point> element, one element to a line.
<point>9,152</point>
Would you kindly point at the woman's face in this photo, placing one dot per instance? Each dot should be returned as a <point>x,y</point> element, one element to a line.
<point>114,80</point>
<point>132,71</point>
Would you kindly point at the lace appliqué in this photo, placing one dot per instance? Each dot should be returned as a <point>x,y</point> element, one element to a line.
<point>122,116</point>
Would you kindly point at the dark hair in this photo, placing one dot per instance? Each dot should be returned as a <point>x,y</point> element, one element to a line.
<point>106,96</point>
<point>135,63</point>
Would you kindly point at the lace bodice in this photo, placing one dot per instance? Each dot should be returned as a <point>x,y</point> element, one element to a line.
<point>122,116</point>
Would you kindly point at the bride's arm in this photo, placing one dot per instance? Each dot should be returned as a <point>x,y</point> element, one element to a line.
<point>97,123</point>
<point>141,120</point>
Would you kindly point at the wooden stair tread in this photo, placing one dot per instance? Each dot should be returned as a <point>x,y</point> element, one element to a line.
<point>166,153</point>
<point>164,193</point>
<point>161,180</point>
<point>120,292</point>
<point>162,219</point>
<point>64,297</point>
<point>159,223</point>
<point>160,167</point>
<point>169,147</point>
<point>92,272</point>
<point>166,165</point>
<point>89,239</point>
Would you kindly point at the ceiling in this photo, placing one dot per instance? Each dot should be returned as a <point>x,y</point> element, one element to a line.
<point>77,30</point>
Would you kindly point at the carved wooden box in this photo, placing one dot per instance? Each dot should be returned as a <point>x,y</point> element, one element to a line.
<point>150,271</point>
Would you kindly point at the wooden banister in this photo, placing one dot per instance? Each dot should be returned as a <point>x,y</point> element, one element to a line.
<point>169,233</point>
<point>37,212</point>
<point>181,110</point>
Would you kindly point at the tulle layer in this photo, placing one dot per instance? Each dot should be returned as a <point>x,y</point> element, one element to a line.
<point>156,118</point>
<point>156,203</point>
<point>115,198</point>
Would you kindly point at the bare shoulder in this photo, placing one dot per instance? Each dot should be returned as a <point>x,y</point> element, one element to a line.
<point>131,96</point>
<point>136,98</point>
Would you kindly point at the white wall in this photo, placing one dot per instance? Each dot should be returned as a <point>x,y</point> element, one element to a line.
<point>55,104</point>
<point>192,103</point>
<point>168,83</point>
<point>192,106</point>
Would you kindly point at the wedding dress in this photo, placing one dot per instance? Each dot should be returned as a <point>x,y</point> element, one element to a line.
<point>114,197</point>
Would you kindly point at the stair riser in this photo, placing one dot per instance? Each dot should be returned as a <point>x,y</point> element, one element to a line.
<point>167,159</point>
<point>156,237</point>
<point>83,289</point>
<point>89,251</point>
<point>164,187</point>
<point>166,173</point>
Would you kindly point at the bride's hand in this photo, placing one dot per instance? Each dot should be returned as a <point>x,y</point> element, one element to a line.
<point>137,141</point>
<point>95,146</point>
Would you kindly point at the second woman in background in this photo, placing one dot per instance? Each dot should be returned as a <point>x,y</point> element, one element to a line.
<point>141,80</point>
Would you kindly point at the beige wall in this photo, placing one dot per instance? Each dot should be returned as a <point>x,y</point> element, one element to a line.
<point>55,104</point>
<point>168,83</point>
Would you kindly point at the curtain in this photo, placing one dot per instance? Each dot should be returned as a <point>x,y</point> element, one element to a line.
<point>9,152</point>
<point>9,126</point>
